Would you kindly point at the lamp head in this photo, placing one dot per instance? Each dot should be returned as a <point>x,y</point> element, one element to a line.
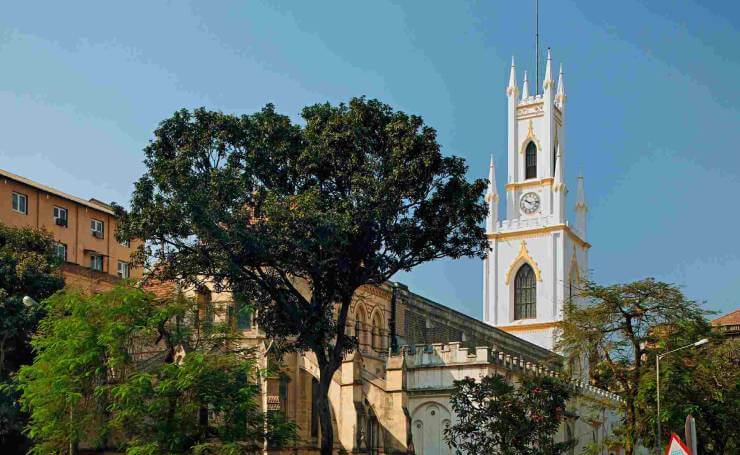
<point>28,301</point>
<point>702,341</point>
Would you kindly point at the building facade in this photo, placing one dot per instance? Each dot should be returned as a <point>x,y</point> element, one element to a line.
<point>396,401</point>
<point>83,229</point>
<point>537,257</point>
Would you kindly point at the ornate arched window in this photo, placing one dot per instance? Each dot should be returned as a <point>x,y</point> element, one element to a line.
<point>530,161</point>
<point>377,338</point>
<point>525,293</point>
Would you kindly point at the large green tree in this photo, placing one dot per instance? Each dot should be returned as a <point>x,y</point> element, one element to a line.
<point>702,382</point>
<point>28,267</point>
<point>264,206</point>
<point>495,416</point>
<point>108,372</point>
<point>618,329</point>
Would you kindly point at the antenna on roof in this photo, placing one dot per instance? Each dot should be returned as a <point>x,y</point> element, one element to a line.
<point>537,47</point>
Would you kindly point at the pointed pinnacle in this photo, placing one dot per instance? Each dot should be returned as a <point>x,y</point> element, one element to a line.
<point>547,82</point>
<point>525,87</point>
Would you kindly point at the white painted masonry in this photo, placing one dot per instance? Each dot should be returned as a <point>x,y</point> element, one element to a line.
<point>535,231</point>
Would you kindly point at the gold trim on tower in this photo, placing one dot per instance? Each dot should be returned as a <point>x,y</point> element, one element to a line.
<point>521,258</point>
<point>530,137</point>
<point>538,231</point>
<point>529,183</point>
<point>527,327</point>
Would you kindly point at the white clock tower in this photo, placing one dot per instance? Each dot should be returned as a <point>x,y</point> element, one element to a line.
<point>537,258</point>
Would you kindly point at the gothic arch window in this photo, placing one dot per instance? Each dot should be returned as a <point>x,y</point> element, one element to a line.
<point>525,293</point>
<point>377,333</point>
<point>361,328</point>
<point>554,156</point>
<point>530,161</point>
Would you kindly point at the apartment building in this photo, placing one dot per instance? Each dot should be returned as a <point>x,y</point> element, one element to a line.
<point>84,230</point>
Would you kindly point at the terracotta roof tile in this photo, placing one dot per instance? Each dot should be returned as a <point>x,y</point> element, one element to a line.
<point>161,289</point>
<point>731,318</point>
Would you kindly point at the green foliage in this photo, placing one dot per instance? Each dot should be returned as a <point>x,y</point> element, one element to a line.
<point>28,267</point>
<point>104,373</point>
<point>267,208</point>
<point>494,416</point>
<point>704,383</point>
<point>617,328</point>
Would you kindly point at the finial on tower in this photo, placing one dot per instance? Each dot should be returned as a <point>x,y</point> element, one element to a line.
<point>560,96</point>
<point>559,177</point>
<point>512,89</point>
<point>525,87</point>
<point>547,83</point>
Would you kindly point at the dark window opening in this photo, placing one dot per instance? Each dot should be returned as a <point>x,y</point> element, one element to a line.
<point>525,293</point>
<point>530,161</point>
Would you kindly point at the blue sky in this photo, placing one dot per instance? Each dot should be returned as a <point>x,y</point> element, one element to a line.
<point>653,104</point>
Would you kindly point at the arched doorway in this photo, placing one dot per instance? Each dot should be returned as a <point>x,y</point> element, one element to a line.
<point>427,428</point>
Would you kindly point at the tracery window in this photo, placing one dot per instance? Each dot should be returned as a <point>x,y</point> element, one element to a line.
<point>525,293</point>
<point>530,161</point>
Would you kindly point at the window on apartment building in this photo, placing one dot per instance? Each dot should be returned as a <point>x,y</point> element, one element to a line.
<point>96,227</point>
<point>60,251</point>
<point>60,216</point>
<point>96,262</point>
<point>123,269</point>
<point>20,203</point>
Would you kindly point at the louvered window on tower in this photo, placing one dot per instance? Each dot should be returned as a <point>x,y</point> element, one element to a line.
<point>525,293</point>
<point>531,161</point>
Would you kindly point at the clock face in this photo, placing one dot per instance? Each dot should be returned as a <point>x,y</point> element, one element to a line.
<point>529,203</point>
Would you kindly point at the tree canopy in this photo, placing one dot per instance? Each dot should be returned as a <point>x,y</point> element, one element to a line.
<point>28,267</point>
<point>298,217</point>
<point>618,329</point>
<point>106,374</point>
<point>702,382</point>
<point>494,416</point>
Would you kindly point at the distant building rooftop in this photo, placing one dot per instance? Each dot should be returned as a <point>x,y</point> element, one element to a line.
<point>92,203</point>
<point>729,323</point>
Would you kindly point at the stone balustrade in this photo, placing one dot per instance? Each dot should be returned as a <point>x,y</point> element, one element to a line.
<point>438,355</point>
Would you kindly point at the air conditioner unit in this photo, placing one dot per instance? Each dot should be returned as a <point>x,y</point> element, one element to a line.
<point>61,221</point>
<point>97,234</point>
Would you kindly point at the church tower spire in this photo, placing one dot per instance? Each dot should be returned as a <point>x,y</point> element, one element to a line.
<point>512,89</point>
<point>525,87</point>
<point>547,83</point>
<point>560,95</point>
<point>559,189</point>
<point>534,250</point>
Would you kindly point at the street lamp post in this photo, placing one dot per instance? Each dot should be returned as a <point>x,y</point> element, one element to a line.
<point>657,380</point>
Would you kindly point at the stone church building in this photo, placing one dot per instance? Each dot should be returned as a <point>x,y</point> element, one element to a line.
<point>391,396</point>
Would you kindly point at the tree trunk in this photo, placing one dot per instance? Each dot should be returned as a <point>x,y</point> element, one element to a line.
<point>322,402</point>
<point>629,437</point>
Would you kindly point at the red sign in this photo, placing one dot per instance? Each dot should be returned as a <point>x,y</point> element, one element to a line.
<point>676,446</point>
